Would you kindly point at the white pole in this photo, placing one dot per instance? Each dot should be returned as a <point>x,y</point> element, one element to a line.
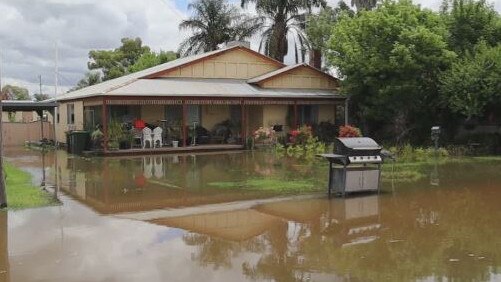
<point>3,197</point>
<point>56,71</point>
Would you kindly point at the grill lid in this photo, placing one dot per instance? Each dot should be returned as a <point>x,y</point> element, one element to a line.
<point>359,143</point>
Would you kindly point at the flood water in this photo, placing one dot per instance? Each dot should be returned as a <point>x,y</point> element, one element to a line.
<point>119,220</point>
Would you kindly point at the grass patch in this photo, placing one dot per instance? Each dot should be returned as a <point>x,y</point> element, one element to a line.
<point>21,193</point>
<point>269,185</point>
<point>403,176</point>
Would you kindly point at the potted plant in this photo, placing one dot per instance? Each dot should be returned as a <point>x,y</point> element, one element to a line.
<point>97,138</point>
<point>126,139</point>
<point>115,133</point>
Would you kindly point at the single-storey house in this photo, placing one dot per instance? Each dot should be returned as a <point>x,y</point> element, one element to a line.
<point>193,97</point>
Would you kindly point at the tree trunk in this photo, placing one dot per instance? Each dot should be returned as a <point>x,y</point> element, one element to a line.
<point>316,58</point>
<point>3,198</point>
<point>278,44</point>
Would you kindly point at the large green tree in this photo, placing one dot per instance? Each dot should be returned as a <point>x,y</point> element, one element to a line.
<point>151,59</point>
<point>284,18</point>
<point>319,27</point>
<point>12,92</point>
<point>474,82</point>
<point>362,5</point>
<point>115,63</point>
<point>469,22</point>
<point>215,22</point>
<point>90,78</point>
<point>390,59</point>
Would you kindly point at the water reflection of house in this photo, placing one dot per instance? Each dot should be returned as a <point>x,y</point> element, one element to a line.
<point>347,221</point>
<point>233,85</point>
<point>237,225</point>
<point>114,185</point>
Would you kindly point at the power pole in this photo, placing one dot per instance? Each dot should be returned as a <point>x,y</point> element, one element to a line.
<point>3,196</point>
<point>40,113</point>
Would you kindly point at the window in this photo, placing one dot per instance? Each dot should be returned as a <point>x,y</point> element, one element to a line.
<point>70,114</point>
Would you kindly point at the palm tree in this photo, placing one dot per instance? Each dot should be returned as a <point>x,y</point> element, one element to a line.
<point>215,22</point>
<point>284,18</point>
<point>364,4</point>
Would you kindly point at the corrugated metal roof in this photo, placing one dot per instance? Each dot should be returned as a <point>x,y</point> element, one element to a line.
<point>214,88</point>
<point>136,84</point>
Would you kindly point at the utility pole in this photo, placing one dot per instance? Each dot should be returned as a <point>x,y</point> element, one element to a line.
<point>56,110</point>
<point>3,196</point>
<point>40,113</point>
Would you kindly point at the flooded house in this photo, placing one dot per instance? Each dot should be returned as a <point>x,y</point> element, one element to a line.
<point>213,100</point>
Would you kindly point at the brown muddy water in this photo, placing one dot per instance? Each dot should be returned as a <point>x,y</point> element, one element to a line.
<point>201,222</point>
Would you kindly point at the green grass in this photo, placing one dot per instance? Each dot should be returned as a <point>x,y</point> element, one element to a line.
<point>21,193</point>
<point>268,184</point>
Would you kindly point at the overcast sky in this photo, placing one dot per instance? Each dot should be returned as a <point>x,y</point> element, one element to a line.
<point>30,28</point>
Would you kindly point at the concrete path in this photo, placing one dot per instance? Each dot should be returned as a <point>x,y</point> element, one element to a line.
<point>212,208</point>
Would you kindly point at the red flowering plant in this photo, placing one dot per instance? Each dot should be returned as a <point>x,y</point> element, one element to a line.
<point>301,135</point>
<point>349,131</point>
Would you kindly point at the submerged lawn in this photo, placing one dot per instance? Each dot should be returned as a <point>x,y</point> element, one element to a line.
<point>269,184</point>
<point>21,193</point>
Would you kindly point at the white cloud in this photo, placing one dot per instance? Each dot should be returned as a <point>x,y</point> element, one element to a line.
<point>29,30</point>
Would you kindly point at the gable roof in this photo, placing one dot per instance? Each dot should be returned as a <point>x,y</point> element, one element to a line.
<point>285,70</point>
<point>148,83</point>
<point>112,84</point>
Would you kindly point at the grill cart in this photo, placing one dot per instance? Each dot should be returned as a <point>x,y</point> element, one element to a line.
<point>354,166</point>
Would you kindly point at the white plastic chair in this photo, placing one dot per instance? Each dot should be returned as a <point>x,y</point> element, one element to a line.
<point>147,137</point>
<point>157,136</point>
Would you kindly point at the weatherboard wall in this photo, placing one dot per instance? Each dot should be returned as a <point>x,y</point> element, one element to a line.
<point>301,78</point>
<point>236,64</point>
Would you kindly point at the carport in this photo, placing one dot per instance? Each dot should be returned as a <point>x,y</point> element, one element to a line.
<point>31,106</point>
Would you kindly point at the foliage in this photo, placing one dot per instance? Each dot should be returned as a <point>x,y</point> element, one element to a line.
<point>470,22</point>
<point>269,184</point>
<point>349,131</point>
<point>21,193</point>
<point>115,133</point>
<point>264,134</point>
<point>473,82</point>
<point>12,92</point>
<point>319,26</point>
<point>116,63</point>
<point>90,78</point>
<point>362,5</point>
<point>325,131</point>
<point>390,59</point>
<point>151,59</point>
<point>40,96</point>
<point>408,153</point>
<point>97,138</point>
<point>302,144</point>
<point>215,22</point>
<point>282,19</point>
<point>301,135</point>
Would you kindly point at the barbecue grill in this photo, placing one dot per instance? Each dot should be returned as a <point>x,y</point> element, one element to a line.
<point>360,159</point>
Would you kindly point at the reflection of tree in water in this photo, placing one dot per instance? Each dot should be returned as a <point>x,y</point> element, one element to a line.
<point>443,233</point>
<point>280,262</point>
<point>218,252</point>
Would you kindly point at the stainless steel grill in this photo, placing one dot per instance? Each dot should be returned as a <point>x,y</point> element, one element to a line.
<point>357,150</point>
<point>360,159</point>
